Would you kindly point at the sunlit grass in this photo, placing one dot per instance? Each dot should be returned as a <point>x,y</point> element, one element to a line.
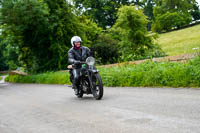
<point>180,42</point>
<point>43,78</point>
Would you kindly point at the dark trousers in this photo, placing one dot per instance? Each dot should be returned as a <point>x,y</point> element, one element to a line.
<point>76,80</point>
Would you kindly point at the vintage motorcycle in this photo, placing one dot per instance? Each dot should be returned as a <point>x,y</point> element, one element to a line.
<point>90,80</point>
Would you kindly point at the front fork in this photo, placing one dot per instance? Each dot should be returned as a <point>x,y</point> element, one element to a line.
<point>91,73</point>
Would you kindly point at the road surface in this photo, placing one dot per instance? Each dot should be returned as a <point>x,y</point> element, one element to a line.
<point>35,108</point>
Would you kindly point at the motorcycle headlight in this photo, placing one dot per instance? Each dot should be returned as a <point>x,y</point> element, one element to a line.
<point>90,61</point>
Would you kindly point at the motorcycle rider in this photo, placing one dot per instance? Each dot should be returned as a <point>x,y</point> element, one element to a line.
<point>77,54</point>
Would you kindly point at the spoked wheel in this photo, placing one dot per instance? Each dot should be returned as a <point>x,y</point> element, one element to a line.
<point>97,90</point>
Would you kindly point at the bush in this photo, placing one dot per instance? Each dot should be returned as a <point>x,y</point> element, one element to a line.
<point>106,49</point>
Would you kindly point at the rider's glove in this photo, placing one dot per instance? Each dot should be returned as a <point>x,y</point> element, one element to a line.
<point>77,62</point>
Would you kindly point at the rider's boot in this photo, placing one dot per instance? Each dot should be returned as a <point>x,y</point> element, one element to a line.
<point>75,89</point>
<point>75,86</point>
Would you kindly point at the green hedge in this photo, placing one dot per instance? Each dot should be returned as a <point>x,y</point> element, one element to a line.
<point>170,74</point>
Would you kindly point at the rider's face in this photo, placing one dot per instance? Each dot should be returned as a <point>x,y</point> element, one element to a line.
<point>77,44</point>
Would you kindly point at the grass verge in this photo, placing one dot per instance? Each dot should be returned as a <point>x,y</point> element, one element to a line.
<point>151,74</point>
<point>43,78</point>
<point>170,74</point>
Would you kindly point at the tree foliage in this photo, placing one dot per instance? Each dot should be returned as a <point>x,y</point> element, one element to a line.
<point>148,11</point>
<point>9,53</point>
<point>106,49</point>
<point>3,63</point>
<point>42,30</point>
<point>27,22</point>
<point>178,11</point>
<point>196,11</point>
<point>103,12</point>
<point>90,30</point>
<point>171,20</point>
<point>132,33</point>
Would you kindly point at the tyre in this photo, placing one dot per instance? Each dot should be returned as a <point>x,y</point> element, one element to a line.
<point>97,90</point>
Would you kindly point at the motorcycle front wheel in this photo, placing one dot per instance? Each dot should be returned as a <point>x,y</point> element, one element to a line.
<point>97,89</point>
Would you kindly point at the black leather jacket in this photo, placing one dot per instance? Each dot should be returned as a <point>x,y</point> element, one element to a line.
<point>78,55</point>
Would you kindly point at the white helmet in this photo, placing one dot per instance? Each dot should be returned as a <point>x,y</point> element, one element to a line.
<point>75,39</point>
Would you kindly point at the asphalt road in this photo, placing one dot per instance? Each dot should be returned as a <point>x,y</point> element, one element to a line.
<point>33,108</point>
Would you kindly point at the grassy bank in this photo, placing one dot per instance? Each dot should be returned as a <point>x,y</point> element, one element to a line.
<point>181,41</point>
<point>43,78</point>
<point>146,74</point>
<point>154,74</point>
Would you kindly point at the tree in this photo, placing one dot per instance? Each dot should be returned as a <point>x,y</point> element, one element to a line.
<point>9,53</point>
<point>42,30</point>
<point>26,21</point>
<point>196,11</point>
<point>90,30</point>
<point>178,10</point>
<point>3,64</point>
<point>171,20</point>
<point>63,24</point>
<point>148,11</point>
<point>130,29</point>
<point>103,12</point>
